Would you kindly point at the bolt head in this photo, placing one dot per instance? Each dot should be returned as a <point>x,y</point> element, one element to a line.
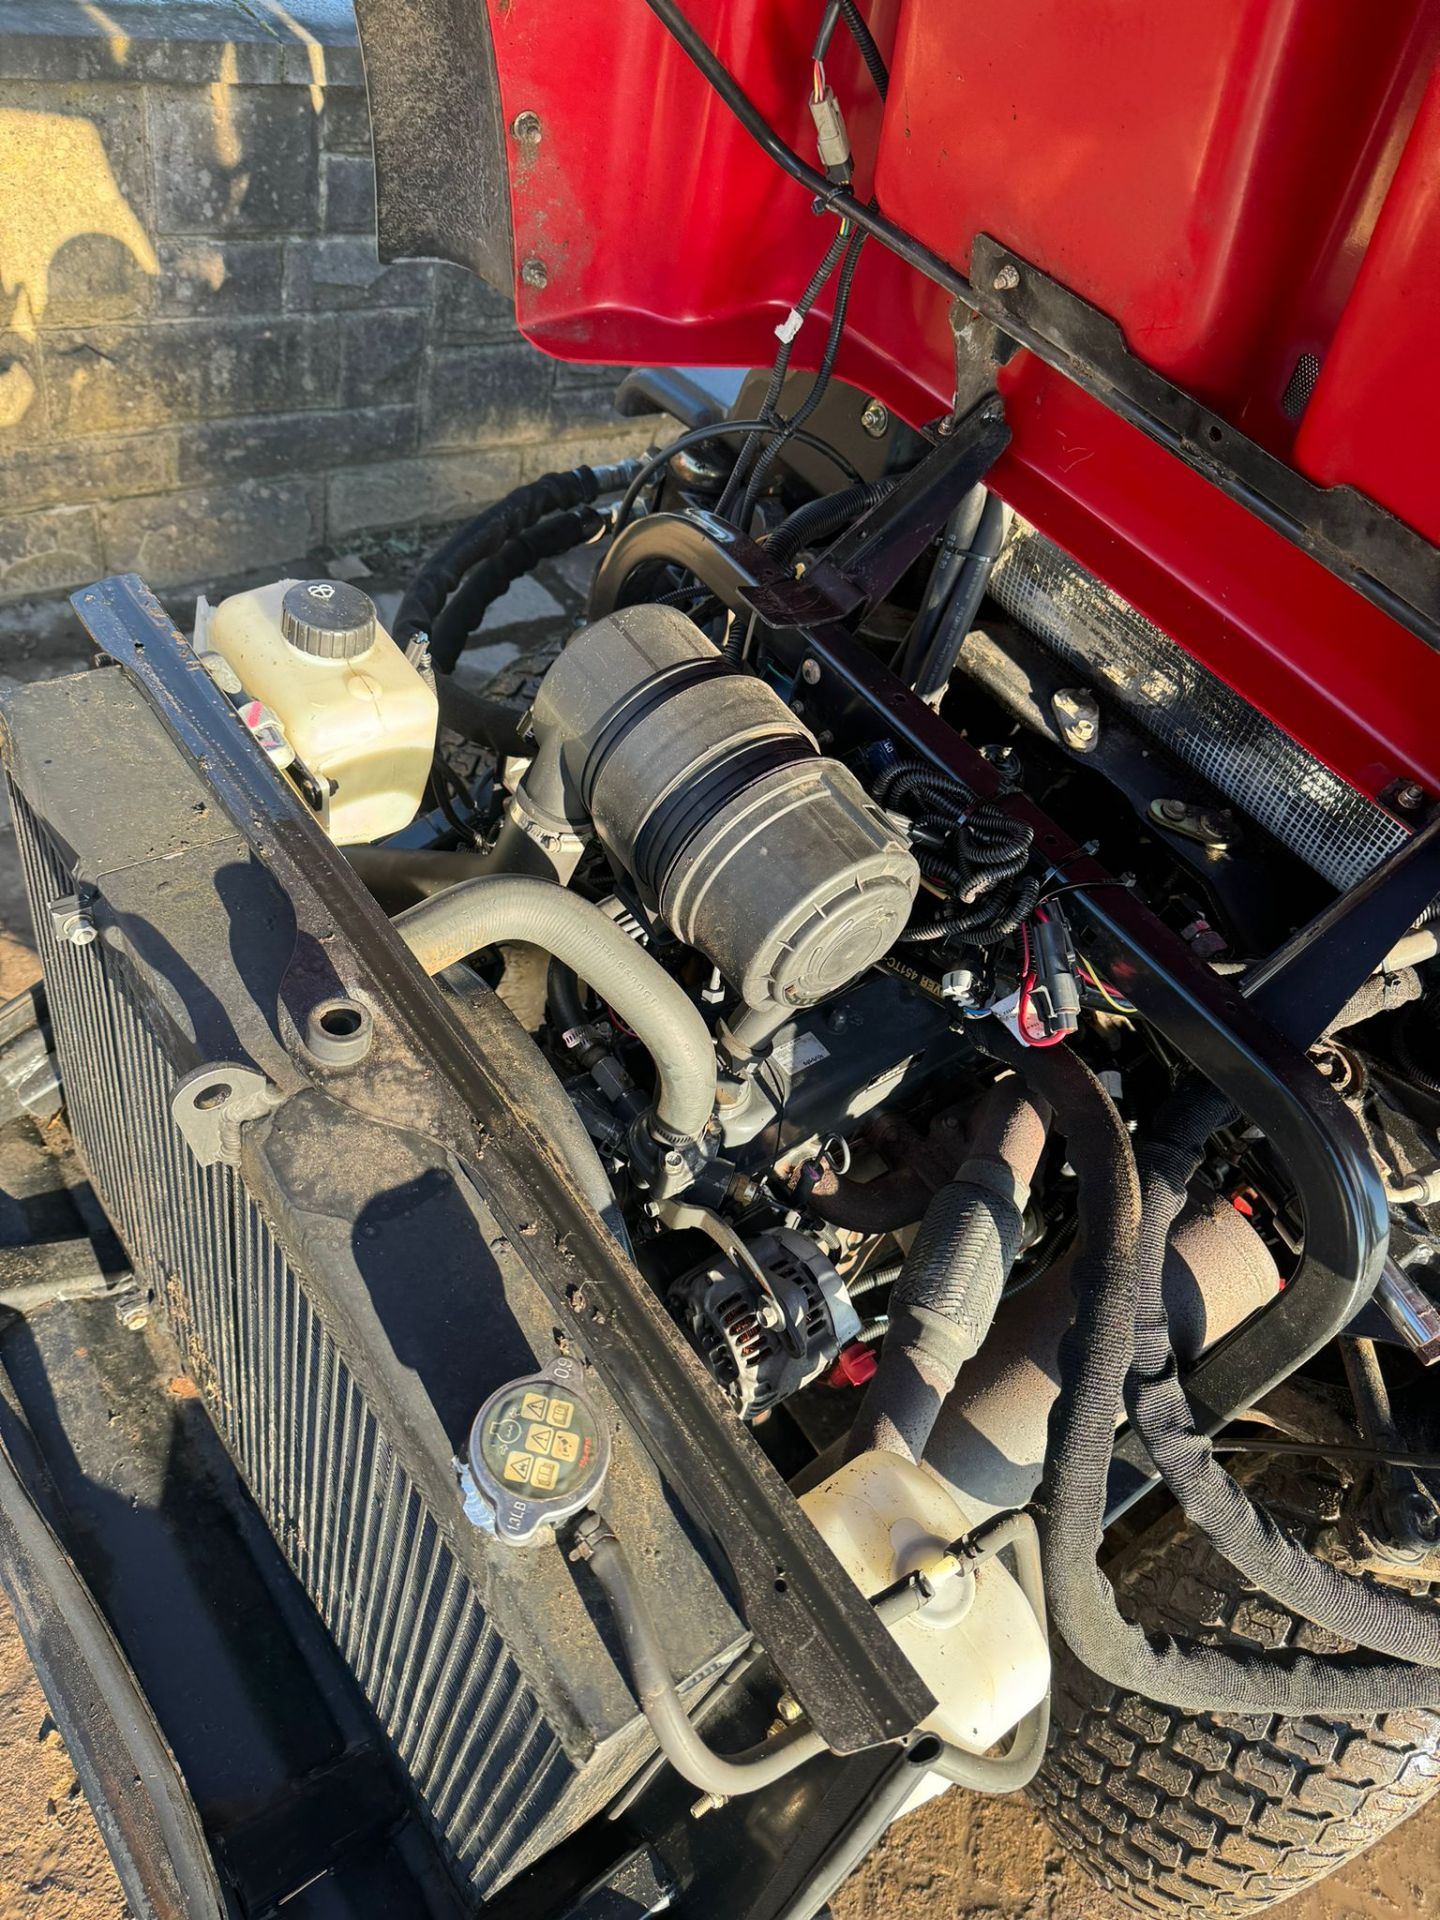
<point>526,126</point>
<point>875,419</point>
<point>535,274</point>
<point>1409,796</point>
<point>1006,280</point>
<point>810,672</point>
<point>135,1318</point>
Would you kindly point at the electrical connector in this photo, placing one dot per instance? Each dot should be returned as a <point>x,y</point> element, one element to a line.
<point>1055,996</point>
<point>831,138</point>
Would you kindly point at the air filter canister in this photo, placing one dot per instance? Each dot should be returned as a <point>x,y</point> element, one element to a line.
<point>708,792</point>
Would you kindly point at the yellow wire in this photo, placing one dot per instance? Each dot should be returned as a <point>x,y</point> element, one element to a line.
<point>1100,987</point>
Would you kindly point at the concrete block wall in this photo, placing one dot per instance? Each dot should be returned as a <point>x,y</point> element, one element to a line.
<point>204,369</point>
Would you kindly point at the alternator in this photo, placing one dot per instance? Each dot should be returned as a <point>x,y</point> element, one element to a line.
<point>757,1362</point>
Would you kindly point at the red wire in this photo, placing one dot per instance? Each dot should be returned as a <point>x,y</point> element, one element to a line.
<point>1027,987</point>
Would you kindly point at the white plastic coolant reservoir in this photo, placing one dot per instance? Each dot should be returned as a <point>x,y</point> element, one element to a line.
<point>354,709</point>
<point>977,1646</point>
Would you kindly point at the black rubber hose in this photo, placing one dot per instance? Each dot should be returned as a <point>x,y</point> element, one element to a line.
<point>933,672</point>
<point>818,519</point>
<point>1094,1359</point>
<point>1382,1620</point>
<point>574,1029</point>
<point>950,1285</point>
<point>442,572</point>
<point>459,619</point>
<point>955,544</point>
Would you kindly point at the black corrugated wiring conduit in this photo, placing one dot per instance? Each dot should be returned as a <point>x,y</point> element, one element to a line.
<point>460,617</point>
<point>818,519</point>
<point>1094,1360</point>
<point>483,536</point>
<point>945,1299</point>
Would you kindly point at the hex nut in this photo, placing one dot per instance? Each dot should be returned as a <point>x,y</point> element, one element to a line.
<point>1006,280</point>
<point>875,419</point>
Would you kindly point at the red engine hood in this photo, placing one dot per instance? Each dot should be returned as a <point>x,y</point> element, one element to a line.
<point>1250,189</point>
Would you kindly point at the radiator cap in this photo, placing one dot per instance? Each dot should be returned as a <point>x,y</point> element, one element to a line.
<point>328,619</point>
<point>538,1453</point>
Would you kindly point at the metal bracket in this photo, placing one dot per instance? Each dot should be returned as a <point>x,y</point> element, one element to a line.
<point>210,1105</point>
<point>1392,565</point>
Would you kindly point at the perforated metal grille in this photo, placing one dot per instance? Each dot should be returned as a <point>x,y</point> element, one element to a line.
<point>1204,723</point>
<point>486,1766</point>
<point>1300,386</point>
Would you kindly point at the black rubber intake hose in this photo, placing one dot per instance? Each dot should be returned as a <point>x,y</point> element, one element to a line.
<point>818,519</point>
<point>1093,1362</point>
<point>439,576</point>
<point>1381,1619</point>
<point>459,619</point>
<point>944,1301</point>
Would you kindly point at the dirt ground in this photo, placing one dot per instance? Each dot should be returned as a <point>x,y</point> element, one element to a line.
<point>958,1858</point>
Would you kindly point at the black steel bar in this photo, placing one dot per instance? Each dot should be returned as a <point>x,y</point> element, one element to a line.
<point>840,1663</point>
<point>871,556</point>
<point>1302,985</point>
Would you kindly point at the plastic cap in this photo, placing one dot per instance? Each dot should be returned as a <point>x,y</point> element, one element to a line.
<point>328,619</point>
<point>854,1366</point>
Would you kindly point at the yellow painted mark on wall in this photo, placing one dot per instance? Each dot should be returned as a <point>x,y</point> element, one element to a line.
<point>116,37</point>
<point>55,185</point>
<point>315,52</point>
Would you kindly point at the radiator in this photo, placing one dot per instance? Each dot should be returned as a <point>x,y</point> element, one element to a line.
<point>508,1715</point>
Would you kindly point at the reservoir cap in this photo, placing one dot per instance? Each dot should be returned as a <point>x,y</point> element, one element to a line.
<point>328,619</point>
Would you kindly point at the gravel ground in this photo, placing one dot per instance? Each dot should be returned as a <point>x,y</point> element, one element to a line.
<point>957,1858</point>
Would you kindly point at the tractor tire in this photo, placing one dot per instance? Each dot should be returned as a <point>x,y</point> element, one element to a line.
<point>1225,1814</point>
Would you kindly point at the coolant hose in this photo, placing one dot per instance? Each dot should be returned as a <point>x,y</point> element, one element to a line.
<point>720,1774</point>
<point>950,1285</point>
<point>1093,1362</point>
<point>503,907</point>
<point>1008,1772</point>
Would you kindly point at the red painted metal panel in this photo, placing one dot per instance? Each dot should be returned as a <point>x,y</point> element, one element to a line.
<point>1208,172</point>
<point>1375,416</point>
<point>1334,671</point>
